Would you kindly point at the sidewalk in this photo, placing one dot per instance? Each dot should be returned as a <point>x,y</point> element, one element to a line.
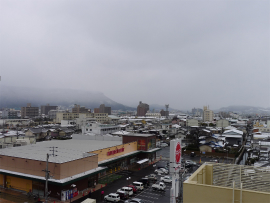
<point>11,196</point>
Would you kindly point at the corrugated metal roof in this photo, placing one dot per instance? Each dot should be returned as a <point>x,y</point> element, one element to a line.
<point>68,150</point>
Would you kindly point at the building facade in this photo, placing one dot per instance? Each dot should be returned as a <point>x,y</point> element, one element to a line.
<point>80,109</point>
<point>46,108</point>
<point>142,109</point>
<point>29,111</point>
<point>227,183</point>
<point>11,114</point>
<point>208,114</point>
<point>104,109</point>
<point>79,162</point>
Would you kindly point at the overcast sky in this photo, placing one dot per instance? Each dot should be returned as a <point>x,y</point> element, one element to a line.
<point>184,53</point>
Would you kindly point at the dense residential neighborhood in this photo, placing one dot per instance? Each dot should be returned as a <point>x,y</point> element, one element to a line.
<point>93,149</point>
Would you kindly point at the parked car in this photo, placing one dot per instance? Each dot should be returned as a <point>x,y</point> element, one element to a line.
<point>129,190</point>
<point>190,162</point>
<point>152,177</point>
<point>161,171</point>
<point>164,145</point>
<point>135,200</point>
<point>145,181</point>
<point>139,185</point>
<point>159,186</point>
<point>158,171</point>
<point>192,154</point>
<point>123,195</point>
<point>165,170</point>
<point>112,197</point>
<point>166,179</point>
<point>134,187</point>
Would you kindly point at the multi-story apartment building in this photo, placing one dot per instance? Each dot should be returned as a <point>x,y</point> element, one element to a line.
<point>29,111</point>
<point>98,128</point>
<point>11,114</point>
<point>104,109</point>
<point>80,109</point>
<point>70,116</point>
<point>142,109</point>
<point>52,113</point>
<point>46,108</point>
<point>208,114</point>
<point>100,117</point>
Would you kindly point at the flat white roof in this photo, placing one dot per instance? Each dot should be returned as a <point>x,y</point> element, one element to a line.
<point>67,150</point>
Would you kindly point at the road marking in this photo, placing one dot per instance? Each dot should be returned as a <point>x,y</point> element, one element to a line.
<point>147,196</point>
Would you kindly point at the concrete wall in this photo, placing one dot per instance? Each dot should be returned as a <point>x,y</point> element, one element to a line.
<point>200,183</point>
<point>214,194</point>
<point>58,171</point>
<point>78,166</point>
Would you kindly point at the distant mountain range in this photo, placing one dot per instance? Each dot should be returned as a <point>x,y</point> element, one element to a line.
<point>245,109</point>
<point>17,97</point>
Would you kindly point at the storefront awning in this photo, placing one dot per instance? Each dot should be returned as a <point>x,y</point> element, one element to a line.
<point>61,182</point>
<point>142,161</point>
<point>151,150</point>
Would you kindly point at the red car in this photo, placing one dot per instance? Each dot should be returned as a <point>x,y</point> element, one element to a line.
<point>134,188</point>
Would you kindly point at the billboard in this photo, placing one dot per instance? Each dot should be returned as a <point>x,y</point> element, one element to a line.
<point>175,155</point>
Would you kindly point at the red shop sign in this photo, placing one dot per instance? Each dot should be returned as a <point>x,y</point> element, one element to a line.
<point>115,151</point>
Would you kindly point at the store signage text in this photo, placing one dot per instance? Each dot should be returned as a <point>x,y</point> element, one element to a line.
<point>115,151</point>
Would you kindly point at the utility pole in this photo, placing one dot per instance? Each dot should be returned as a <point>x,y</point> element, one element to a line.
<point>46,177</point>
<point>53,151</point>
<point>47,173</point>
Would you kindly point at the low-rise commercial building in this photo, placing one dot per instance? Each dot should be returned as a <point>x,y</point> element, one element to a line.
<point>79,162</point>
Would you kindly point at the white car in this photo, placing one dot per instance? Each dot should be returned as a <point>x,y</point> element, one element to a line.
<point>161,171</point>
<point>112,197</point>
<point>164,145</point>
<point>164,170</point>
<point>190,162</point>
<point>129,190</point>
<point>166,179</point>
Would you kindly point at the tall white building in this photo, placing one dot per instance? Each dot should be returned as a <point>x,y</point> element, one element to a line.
<point>208,114</point>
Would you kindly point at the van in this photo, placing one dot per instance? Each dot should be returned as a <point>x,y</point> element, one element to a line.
<point>139,185</point>
<point>129,190</point>
<point>145,181</point>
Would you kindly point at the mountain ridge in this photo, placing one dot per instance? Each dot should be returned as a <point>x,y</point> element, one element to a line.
<point>16,97</point>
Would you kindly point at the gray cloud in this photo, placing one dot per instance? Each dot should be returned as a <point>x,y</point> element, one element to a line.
<point>185,53</point>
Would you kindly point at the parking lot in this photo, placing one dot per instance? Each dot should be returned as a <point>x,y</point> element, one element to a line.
<point>147,195</point>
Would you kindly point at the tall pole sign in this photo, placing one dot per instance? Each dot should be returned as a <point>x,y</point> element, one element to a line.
<point>175,166</point>
<point>175,155</point>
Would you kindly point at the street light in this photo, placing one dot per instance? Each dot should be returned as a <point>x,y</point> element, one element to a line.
<point>128,179</point>
<point>72,186</point>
